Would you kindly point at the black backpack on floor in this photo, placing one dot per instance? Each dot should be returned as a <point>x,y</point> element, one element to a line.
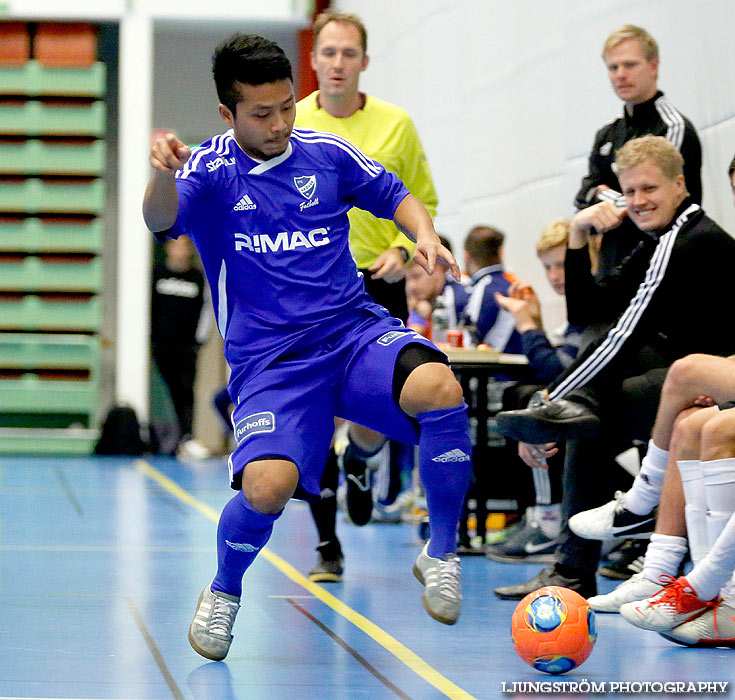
<point>120,434</point>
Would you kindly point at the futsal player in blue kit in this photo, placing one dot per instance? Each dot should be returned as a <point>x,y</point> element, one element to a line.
<point>266,206</point>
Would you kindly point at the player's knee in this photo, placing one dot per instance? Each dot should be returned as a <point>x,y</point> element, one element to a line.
<point>687,429</point>
<point>683,374</point>
<point>367,440</point>
<point>718,437</point>
<point>430,387</point>
<point>269,484</point>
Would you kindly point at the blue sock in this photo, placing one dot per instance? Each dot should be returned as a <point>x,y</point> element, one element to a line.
<point>241,534</point>
<point>445,465</point>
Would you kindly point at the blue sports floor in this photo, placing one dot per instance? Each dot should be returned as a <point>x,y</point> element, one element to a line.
<point>102,562</point>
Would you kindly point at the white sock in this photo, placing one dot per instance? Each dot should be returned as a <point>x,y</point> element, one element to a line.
<point>542,485</point>
<point>727,592</point>
<point>548,516</point>
<point>664,555</point>
<point>715,570</point>
<point>695,511</point>
<point>719,492</point>
<point>645,493</point>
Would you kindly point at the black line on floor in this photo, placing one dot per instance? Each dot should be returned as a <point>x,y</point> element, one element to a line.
<point>155,651</point>
<point>169,500</point>
<point>67,489</point>
<point>350,650</point>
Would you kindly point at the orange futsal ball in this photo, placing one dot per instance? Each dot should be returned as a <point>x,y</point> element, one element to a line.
<point>553,629</point>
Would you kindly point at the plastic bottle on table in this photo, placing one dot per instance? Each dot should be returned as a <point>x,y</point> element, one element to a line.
<point>439,322</point>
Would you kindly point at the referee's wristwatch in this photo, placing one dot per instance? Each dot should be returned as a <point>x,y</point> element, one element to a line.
<point>404,253</point>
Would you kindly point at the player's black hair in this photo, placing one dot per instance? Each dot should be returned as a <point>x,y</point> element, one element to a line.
<point>250,59</point>
<point>731,169</point>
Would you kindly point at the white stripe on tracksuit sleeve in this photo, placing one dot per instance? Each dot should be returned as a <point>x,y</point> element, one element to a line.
<point>627,323</point>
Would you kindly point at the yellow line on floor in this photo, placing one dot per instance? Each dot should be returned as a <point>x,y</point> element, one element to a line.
<point>400,651</point>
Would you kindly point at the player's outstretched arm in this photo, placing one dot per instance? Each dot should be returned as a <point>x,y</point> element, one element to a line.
<point>412,219</point>
<point>161,201</point>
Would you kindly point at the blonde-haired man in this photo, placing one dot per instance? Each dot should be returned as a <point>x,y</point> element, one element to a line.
<point>608,396</point>
<point>631,57</point>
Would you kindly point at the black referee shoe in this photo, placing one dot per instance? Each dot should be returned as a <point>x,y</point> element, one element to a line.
<point>550,421</point>
<point>584,584</point>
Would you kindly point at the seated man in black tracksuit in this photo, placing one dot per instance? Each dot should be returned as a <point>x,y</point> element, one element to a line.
<point>611,391</point>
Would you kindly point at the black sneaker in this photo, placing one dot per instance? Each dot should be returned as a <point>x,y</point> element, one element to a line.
<point>585,585</point>
<point>329,564</point>
<point>528,544</point>
<point>327,570</point>
<point>629,560</point>
<point>550,421</point>
<point>359,500</point>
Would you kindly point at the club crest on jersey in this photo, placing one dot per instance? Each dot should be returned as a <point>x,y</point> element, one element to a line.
<point>263,422</point>
<point>306,184</point>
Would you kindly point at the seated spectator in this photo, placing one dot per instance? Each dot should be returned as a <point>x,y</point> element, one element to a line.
<point>491,325</point>
<point>607,394</point>
<point>422,291</point>
<point>699,609</point>
<point>536,539</point>
<point>671,474</point>
<point>693,478</point>
<point>548,357</point>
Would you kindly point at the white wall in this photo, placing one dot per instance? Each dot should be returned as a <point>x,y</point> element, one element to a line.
<point>507,96</point>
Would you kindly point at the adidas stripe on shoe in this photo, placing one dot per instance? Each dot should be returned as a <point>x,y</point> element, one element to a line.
<point>442,596</point>
<point>210,632</point>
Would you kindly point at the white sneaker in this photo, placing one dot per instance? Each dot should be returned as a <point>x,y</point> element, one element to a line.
<point>612,520</point>
<point>193,449</point>
<point>675,604</point>
<point>715,627</point>
<point>442,588</point>
<point>210,632</point>
<point>637,587</point>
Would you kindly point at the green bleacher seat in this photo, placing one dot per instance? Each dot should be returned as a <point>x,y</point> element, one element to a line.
<point>34,79</point>
<point>34,157</point>
<point>20,351</point>
<point>34,118</point>
<point>33,274</point>
<point>32,313</point>
<point>31,394</point>
<point>33,235</point>
<point>35,196</point>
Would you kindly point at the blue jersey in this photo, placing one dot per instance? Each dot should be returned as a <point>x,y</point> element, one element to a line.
<point>273,238</point>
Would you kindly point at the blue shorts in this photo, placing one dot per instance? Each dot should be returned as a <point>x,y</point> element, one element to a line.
<point>288,410</point>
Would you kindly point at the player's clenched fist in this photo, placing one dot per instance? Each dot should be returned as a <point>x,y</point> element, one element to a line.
<point>168,153</point>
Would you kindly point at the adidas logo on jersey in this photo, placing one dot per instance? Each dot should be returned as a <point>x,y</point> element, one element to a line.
<point>455,455</point>
<point>244,203</point>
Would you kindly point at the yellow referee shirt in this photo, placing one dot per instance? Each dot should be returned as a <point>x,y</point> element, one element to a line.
<point>385,133</point>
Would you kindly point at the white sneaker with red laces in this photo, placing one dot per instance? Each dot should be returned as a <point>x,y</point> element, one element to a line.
<point>673,605</point>
<point>715,627</point>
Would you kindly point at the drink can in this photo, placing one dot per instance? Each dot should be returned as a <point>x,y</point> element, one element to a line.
<point>455,338</point>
